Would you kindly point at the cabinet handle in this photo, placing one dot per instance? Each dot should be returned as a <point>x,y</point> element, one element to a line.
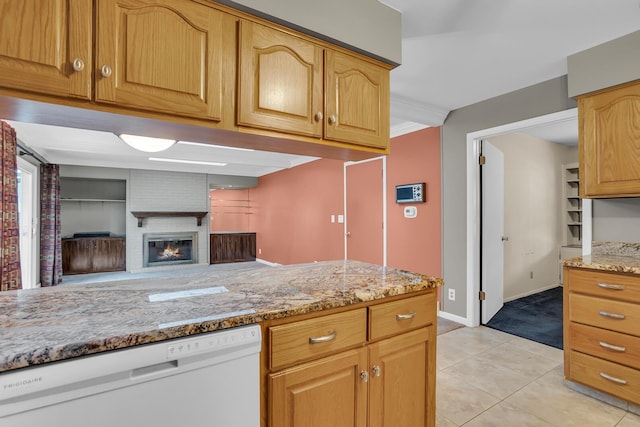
<point>364,376</point>
<point>612,379</point>
<point>406,316</point>
<point>105,70</point>
<point>78,64</point>
<point>318,116</point>
<point>611,315</point>
<point>610,286</point>
<point>326,338</point>
<point>612,347</point>
<point>376,370</point>
<point>332,119</point>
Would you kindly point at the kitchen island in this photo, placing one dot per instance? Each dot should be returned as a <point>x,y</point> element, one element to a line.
<point>51,324</point>
<point>601,326</point>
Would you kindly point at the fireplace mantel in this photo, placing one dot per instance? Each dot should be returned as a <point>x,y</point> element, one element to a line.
<point>142,215</point>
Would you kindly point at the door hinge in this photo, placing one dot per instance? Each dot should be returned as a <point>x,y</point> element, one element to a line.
<point>482,159</point>
<point>482,296</point>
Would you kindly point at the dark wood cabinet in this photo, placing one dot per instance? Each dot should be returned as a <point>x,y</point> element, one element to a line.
<point>232,247</point>
<point>93,255</point>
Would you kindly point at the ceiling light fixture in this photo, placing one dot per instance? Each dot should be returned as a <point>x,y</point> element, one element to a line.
<point>146,143</point>
<point>202,144</point>
<point>190,162</point>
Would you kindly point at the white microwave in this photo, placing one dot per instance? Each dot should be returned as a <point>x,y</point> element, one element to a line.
<point>411,193</point>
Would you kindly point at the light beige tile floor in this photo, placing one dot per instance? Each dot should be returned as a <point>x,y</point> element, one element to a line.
<point>489,378</point>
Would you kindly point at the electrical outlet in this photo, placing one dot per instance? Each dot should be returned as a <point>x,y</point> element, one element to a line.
<point>259,251</point>
<point>452,294</point>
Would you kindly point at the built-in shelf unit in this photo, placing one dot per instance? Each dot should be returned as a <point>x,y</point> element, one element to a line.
<point>572,215</point>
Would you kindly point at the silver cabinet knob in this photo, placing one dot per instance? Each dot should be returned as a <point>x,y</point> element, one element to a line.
<point>364,376</point>
<point>332,119</point>
<point>78,64</point>
<point>318,117</point>
<point>377,370</point>
<point>105,70</point>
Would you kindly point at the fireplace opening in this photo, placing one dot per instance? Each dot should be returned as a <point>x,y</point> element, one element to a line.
<point>164,249</point>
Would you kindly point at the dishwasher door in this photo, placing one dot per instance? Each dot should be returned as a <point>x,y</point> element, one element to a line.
<point>205,381</point>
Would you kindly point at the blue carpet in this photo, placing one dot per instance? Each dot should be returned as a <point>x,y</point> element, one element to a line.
<point>537,317</point>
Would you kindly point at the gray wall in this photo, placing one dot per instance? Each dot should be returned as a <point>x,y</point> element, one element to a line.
<point>605,65</point>
<point>367,26</point>
<point>616,220</point>
<point>538,100</point>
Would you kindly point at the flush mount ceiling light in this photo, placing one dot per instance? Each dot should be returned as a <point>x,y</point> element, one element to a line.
<point>190,162</point>
<point>202,144</point>
<point>146,143</point>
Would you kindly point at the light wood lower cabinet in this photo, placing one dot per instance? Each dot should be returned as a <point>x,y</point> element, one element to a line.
<point>601,332</point>
<point>340,373</point>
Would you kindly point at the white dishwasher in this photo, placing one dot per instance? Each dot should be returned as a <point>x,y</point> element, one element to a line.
<point>208,380</point>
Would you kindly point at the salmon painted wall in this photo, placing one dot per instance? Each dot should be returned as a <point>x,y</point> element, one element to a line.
<point>414,244</point>
<point>291,210</point>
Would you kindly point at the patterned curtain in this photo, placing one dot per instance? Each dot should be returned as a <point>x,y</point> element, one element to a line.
<point>50,242</point>
<point>9,229</point>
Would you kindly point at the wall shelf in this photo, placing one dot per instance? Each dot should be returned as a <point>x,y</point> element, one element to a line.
<point>142,215</point>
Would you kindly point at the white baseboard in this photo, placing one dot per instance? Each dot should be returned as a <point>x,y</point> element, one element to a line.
<point>271,264</point>
<point>535,291</point>
<point>454,318</point>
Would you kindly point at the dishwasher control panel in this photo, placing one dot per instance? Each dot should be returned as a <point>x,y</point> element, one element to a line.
<point>214,341</point>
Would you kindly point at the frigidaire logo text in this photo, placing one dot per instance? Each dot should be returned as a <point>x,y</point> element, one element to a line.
<point>22,383</point>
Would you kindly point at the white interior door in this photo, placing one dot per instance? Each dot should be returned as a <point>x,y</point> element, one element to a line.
<point>364,211</point>
<point>492,282</point>
<point>27,205</point>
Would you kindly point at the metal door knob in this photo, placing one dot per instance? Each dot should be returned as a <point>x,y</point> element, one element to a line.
<point>318,116</point>
<point>348,234</point>
<point>78,64</point>
<point>332,119</point>
<point>105,70</point>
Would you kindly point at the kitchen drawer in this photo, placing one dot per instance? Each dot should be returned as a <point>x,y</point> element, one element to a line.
<point>605,313</point>
<point>307,339</point>
<point>609,345</point>
<point>610,285</point>
<point>400,316</point>
<point>609,377</point>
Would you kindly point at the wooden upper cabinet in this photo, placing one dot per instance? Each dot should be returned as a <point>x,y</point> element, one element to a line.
<point>40,43</point>
<point>160,55</point>
<point>279,81</point>
<point>357,101</point>
<point>610,143</point>
<point>289,84</point>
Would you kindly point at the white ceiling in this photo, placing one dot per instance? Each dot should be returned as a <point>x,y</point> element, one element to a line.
<point>454,53</point>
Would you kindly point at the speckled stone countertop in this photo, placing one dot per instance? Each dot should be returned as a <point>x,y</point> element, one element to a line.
<point>615,263</point>
<point>51,324</point>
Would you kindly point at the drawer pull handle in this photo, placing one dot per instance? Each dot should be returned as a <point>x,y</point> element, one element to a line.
<point>407,316</point>
<point>612,379</point>
<point>612,315</point>
<point>326,338</point>
<point>612,287</point>
<point>612,347</point>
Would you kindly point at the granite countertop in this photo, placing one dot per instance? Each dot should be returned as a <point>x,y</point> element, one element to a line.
<point>51,324</point>
<point>606,262</point>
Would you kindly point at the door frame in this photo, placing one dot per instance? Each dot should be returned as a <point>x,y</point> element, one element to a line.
<point>473,204</point>
<point>33,170</point>
<point>384,203</point>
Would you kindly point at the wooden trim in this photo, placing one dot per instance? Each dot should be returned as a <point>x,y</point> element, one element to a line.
<point>141,215</point>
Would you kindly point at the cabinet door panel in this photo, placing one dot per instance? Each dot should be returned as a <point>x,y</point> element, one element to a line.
<point>399,395</point>
<point>610,143</point>
<point>164,55</point>
<point>357,101</point>
<point>39,42</point>
<point>279,81</point>
<point>326,392</point>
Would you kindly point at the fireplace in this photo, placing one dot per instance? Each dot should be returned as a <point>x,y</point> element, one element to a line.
<point>170,249</point>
